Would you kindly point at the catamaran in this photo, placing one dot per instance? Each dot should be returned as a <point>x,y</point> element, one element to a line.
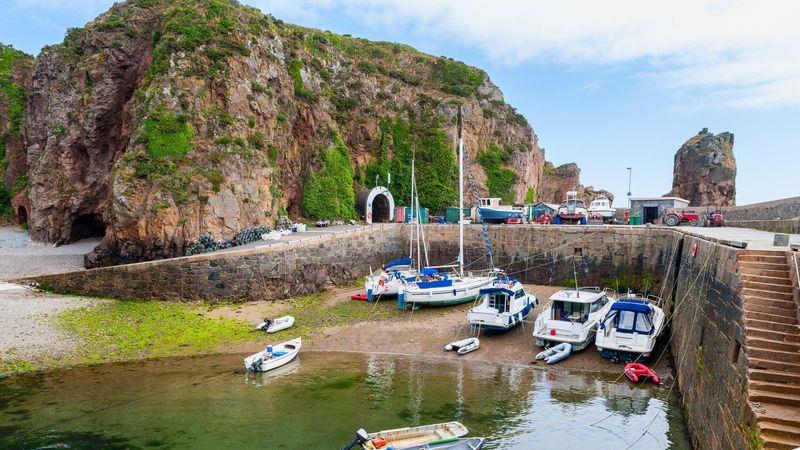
<point>572,316</point>
<point>440,288</point>
<point>629,330</point>
<point>504,305</point>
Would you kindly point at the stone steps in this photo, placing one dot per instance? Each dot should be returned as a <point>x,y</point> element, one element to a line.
<point>779,398</point>
<point>774,355</point>
<point>750,292</point>
<point>770,259</point>
<point>775,413</point>
<point>775,376</point>
<point>757,363</point>
<point>780,280</point>
<point>754,342</point>
<point>768,287</point>
<point>765,252</point>
<point>767,325</point>
<point>772,302</point>
<point>747,265</point>
<point>770,273</point>
<point>763,333</point>
<point>777,441</point>
<point>783,310</point>
<point>788,318</point>
<point>770,386</point>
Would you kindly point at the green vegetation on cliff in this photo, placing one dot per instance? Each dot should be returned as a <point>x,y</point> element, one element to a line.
<point>13,96</point>
<point>499,180</point>
<point>435,161</point>
<point>329,192</point>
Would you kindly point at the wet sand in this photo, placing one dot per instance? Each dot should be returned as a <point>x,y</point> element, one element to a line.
<point>425,334</point>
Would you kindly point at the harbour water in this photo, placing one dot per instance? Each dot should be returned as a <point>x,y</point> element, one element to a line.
<point>321,399</point>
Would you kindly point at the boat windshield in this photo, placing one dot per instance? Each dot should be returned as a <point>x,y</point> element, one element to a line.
<point>630,322</point>
<point>571,311</point>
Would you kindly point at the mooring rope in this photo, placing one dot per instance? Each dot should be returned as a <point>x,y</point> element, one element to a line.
<point>475,198</point>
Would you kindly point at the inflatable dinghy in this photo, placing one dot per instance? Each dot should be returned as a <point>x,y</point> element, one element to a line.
<point>362,297</point>
<point>556,353</point>
<point>638,371</point>
<point>464,346</point>
<point>273,326</point>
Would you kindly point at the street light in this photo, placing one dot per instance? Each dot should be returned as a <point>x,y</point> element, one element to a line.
<point>630,174</point>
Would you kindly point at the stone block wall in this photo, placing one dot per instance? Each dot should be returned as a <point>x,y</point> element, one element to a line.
<point>265,273</point>
<point>791,226</point>
<point>786,208</point>
<point>709,346</point>
<point>608,256</point>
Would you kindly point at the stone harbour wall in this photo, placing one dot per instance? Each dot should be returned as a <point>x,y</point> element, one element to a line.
<point>263,273</point>
<point>791,226</point>
<point>786,208</point>
<point>708,345</point>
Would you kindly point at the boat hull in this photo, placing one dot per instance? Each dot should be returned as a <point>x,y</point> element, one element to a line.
<point>461,292</point>
<point>292,349</point>
<point>494,322</point>
<point>500,215</point>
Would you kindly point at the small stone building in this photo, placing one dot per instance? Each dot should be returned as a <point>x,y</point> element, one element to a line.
<point>652,209</point>
<point>375,205</point>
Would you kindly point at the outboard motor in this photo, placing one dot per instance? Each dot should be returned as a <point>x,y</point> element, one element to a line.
<point>361,438</point>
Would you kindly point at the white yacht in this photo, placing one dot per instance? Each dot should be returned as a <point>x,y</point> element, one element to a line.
<point>503,305</point>
<point>572,316</point>
<point>435,288</point>
<point>572,210</point>
<point>629,330</point>
<point>601,208</point>
<point>388,282</point>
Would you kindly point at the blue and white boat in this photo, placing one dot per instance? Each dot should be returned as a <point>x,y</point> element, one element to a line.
<point>389,281</point>
<point>628,332</point>
<point>491,211</point>
<point>503,305</point>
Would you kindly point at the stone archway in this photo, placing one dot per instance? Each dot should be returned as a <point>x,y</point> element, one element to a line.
<point>376,205</point>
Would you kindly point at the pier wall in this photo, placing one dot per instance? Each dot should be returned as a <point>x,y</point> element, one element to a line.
<point>262,273</point>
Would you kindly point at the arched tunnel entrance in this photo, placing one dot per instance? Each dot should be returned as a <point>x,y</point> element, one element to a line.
<point>87,226</point>
<point>376,205</point>
<point>22,215</point>
<point>381,212</point>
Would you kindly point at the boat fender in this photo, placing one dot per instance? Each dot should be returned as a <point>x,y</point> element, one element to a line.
<point>379,442</point>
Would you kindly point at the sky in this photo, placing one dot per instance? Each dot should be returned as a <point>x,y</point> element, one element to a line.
<point>608,85</point>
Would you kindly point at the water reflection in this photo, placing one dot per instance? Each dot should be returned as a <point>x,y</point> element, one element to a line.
<point>321,399</point>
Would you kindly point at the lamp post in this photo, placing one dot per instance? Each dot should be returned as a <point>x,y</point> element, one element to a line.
<point>630,174</point>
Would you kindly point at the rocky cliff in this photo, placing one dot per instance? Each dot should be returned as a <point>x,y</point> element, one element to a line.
<point>557,181</point>
<point>163,120</point>
<point>15,82</point>
<point>705,170</point>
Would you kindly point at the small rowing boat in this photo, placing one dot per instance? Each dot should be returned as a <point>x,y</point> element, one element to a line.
<point>464,346</point>
<point>273,326</point>
<point>440,436</point>
<point>273,356</point>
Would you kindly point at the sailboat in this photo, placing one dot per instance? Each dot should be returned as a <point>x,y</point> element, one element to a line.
<point>437,288</point>
<point>396,274</point>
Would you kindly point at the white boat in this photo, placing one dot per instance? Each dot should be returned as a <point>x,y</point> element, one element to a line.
<point>273,326</point>
<point>601,208</point>
<point>556,353</point>
<point>503,305</point>
<point>388,282</point>
<point>415,437</point>
<point>572,316</point>
<point>629,330</point>
<point>439,289</point>
<point>572,210</point>
<point>464,346</point>
<point>273,356</point>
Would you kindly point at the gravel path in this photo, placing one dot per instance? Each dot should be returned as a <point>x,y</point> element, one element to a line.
<point>27,323</point>
<point>20,257</point>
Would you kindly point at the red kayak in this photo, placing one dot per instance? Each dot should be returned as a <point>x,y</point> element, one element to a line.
<point>637,371</point>
<point>362,297</point>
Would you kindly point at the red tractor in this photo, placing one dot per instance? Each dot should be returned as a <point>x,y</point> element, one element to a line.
<point>707,219</point>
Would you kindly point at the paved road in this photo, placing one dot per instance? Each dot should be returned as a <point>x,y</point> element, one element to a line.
<point>20,257</point>
<point>756,239</point>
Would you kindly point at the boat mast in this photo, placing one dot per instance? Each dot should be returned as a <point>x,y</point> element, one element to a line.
<point>411,232</point>
<point>460,198</point>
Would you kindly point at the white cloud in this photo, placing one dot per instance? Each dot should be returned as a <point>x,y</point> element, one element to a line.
<point>746,53</point>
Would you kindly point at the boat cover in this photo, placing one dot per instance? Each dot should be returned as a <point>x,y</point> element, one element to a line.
<point>495,289</point>
<point>399,262</point>
<point>434,284</point>
<point>639,306</point>
<point>428,271</point>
